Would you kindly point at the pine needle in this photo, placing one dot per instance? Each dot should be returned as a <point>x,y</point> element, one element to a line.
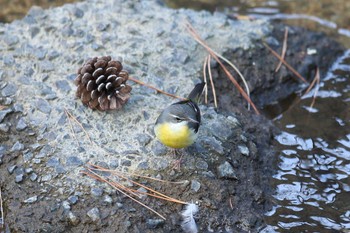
<point>212,82</point>
<point>205,80</point>
<point>114,181</point>
<point>216,56</point>
<point>284,49</point>
<point>2,216</point>
<point>285,63</point>
<point>154,88</point>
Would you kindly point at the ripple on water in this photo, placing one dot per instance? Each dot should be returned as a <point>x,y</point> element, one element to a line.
<point>313,180</point>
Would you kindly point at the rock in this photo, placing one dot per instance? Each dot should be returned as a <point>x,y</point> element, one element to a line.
<point>21,125</point>
<point>97,192</point>
<point>74,220</point>
<point>18,107</point>
<point>46,178</point>
<point>19,178</point>
<point>9,90</point>
<point>159,149</point>
<point>195,185</point>
<point>10,169</point>
<point>31,199</point>
<point>17,147</point>
<point>74,161</point>
<point>63,85</point>
<point>66,205</point>
<point>43,106</point>
<point>154,223</point>
<point>73,199</point>
<point>143,139</point>
<point>243,150</point>
<point>107,199</point>
<point>94,214</point>
<point>4,112</point>
<point>4,127</point>
<point>33,176</point>
<point>225,170</point>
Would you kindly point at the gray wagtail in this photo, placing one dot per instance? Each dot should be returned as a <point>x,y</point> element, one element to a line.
<point>178,124</point>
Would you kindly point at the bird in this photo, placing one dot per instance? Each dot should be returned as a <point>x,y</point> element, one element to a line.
<point>177,125</point>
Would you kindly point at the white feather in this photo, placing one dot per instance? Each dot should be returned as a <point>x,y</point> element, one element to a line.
<point>188,223</point>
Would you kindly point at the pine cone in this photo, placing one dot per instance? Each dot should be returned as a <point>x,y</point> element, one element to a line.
<point>102,84</point>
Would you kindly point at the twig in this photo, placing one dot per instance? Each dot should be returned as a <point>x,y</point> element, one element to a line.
<point>2,107</point>
<point>285,63</point>
<point>99,168</point>
<point>316,80</point>
<point>121,191</point>
<point>230,202</point>
<point>216,57</point>
<point>154,88</point>
<point>284,49</point>
<point>159,195</point>
<point>212,83</point>
<point>205,80</point>
<point>81,126</point>
<point>71,127</point>
<point>2,222</point>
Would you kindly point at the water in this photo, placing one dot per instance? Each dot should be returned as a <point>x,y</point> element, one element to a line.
<point>312,184</point>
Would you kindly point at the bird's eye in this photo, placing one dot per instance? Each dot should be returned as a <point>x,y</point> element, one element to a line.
<point>178,119</point>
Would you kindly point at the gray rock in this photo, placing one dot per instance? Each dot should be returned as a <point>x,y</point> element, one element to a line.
<point>3,113</point>
<point>9,90</point>
<point>21,124</point>
<point>73,199</point>
<point>225,170</point>
<point>43,106</point>
<point>4,127</point>
<point>74,220</point>
<point>159,149</point>
<point>78,12</point>
<point>18,107</point>
<point>212,145</point>
<point>53,162</point>
<point>202,165</point>
<point>63,85</point>
<point>10,169</point>
<point>19,178</point>
<point>74,161</point>
<point>31,199</point>
<point>143,165</point>
<point>107,199</point>
<point>143,139</point>
<point>66,205</point>
<point>47,66</point>
<point>8,101</point>
<point>97,192</point>
<point>45,151</point>
<point>154,223</point>
<point>33,176</point>
<point>17,147</point>
<point>9,60</point>
<point>40,53</point>
<point>195,185</point>
<point>243,150</point>
<point>26,80</point>
<point>46,178</point>
<point>27,156</point>
<point>10,40</point>
<point>94,214</point>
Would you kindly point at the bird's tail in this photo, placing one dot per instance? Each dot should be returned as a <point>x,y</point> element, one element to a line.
<point>196,92</point>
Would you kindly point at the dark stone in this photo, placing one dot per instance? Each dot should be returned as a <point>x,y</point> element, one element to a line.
<point>9,60</point>
<point>73,199</point>
<point>4,112</point>
<point>78,12</point>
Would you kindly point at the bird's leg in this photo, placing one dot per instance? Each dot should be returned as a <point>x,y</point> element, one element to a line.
<point>177,162</point>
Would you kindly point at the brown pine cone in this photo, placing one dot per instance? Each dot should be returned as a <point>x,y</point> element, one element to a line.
<point>102,84</point>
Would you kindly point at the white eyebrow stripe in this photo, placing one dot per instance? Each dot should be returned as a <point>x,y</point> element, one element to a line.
<point>177,116</point>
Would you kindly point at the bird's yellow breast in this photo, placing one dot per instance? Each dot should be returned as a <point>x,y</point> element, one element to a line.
<point>175,135</point>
